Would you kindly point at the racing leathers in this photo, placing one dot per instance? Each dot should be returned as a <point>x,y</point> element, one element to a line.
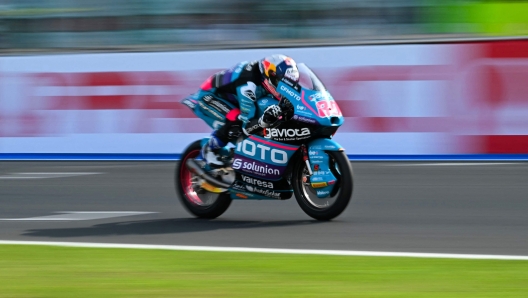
<point>231,95</point>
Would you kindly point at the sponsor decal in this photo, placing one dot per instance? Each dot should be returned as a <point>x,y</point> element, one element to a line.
<point>292,74</point>
<point>249,91</point>
<point>330,147</point>
<point>319,184</point>
<point>301,108</point>
<point>207,98</point>
<point>266,192</point>
<point>257,182</point>
<point>264,101</point>
<point>321,173</point>
<point>316,179</point>
<point>315,155</point>
<point>317,96</point>
<point>316,167</point>
<point>263,152</point>
<point>266,66</point>
<point>254,167</point>
<point>249,67</point>
<point>289,134</point>
<point>237,164</point>
<point>222,107</point>
<point>323,193</point>
<point>189,103</point>
<point>245,108</point>
<point>251,129</point>
<point>238,186</point>
<point>304,119</point>
<point>290,92</point>
<point>304,113</point>
<point>331,182</point>
<point>214,113</point>
<point>250,94</point>
<point>292,84</point>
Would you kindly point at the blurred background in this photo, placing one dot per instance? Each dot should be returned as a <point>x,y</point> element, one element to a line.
<point>63,25</point>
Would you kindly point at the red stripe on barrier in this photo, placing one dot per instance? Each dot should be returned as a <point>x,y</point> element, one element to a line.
<point>508,49</point>
<point>510,144</point>
<point>399,73</point>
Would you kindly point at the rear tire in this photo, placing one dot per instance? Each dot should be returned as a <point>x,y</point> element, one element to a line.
<point>209,205</point>
<point>326,208</point>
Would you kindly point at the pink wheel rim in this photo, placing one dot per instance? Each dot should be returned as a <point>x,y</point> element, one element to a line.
<point>186,180</point>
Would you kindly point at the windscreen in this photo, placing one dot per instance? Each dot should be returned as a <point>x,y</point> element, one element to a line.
<point>308,79</point>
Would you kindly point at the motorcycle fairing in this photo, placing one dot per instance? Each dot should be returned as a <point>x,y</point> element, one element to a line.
<point>262,158</point>
<point>312,104</point>
<point>212,117</point>
<point>322,180</point>
<point>241,190</point>
<point>325,144</point>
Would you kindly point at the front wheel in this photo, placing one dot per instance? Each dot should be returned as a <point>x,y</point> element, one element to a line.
<point>191,192</point>
<point>330,207</point>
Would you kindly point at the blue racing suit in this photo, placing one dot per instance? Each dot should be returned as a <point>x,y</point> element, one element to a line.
<point>231,94</point>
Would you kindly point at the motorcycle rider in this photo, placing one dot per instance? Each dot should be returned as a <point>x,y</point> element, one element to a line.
<point>234,92</point>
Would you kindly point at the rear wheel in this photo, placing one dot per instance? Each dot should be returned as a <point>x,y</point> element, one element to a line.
<point>330,207</point>
<point>191,192</point>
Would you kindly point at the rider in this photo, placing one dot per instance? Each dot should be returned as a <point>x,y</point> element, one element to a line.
<point>241,86</point>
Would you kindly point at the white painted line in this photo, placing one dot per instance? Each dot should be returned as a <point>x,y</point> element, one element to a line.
<point>270,250</point>
<point>79,215</point>
<point>453,164</point>
<point>44,175</point>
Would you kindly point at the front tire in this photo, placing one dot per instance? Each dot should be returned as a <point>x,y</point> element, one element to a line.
<point>197,201</point>
<point>326,208</point>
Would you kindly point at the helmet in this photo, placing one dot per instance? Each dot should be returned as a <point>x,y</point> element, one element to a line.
<point>276,68</point>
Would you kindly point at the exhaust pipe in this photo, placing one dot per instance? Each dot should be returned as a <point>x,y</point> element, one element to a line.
<point>195,168</point>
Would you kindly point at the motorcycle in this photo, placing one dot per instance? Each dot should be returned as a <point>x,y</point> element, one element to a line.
<point>296,157</point>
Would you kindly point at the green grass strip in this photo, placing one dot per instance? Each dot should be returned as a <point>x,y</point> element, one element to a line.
<point>39,271</point>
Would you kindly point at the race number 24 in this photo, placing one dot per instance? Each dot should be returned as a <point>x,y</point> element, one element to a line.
<point>327,108</point>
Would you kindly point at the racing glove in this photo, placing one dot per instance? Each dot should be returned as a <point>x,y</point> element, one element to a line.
<point>271,116</point>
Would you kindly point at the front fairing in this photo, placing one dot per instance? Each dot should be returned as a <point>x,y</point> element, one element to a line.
<point>312,106</point>
<point>312,111</point>
<point>311,102</point>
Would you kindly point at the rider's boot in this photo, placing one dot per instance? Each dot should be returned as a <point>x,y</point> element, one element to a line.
<point>211,150</point>
<point>219,139</point>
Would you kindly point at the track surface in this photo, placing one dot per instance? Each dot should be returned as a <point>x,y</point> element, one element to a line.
<point>477,208</point>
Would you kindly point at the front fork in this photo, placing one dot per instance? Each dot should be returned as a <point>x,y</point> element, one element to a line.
<point>306,159</point>
<point>322,178</point>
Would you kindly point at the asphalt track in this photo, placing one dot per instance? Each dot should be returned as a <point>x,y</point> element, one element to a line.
<point>473,208</point>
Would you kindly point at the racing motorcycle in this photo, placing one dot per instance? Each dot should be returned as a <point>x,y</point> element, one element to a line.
<point>296,157</point>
